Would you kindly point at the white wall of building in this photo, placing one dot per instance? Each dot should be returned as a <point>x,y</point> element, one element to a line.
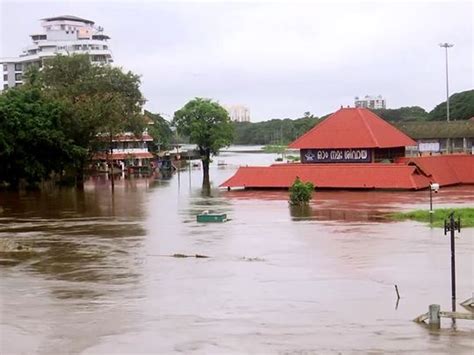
<point>238,113</point>
<point>368,101</point>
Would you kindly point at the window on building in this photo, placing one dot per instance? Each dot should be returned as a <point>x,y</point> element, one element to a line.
<point>5,86</point>
<point>17,84</point>
<point>5,67</point>
<point>18,77</point>
<point>18,66</point>
<point>5,77</point>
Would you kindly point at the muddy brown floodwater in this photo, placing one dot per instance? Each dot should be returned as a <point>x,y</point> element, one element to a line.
<point>95,274</point>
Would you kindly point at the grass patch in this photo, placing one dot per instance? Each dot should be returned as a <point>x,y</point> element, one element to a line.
<point>274,148</point>
<point>439,215</point>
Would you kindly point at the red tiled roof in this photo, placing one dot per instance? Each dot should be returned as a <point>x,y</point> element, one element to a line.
<point>344,176</point>
<point>445,169</point>
<point>353,128</point>
<point>127,137</point>
<point>122,156</point>
<point>130,137</point>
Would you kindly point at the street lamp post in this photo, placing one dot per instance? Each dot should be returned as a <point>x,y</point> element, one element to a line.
<point>446,46</point>
<point>433,187</point>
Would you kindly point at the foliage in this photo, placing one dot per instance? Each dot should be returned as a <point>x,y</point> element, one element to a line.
<point>98,100</point>
<point>273,132</point>
<point>33,139</point>
<point>274,148</point>
<point>461,107</point>
<point>293,158</point>
<point>160,130</point>
<point>208,125</point>
<point>439,215</point>
<point>301,192</point>
<point>402,114</point>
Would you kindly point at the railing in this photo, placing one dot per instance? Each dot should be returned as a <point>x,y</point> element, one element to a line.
<point>130,150</point>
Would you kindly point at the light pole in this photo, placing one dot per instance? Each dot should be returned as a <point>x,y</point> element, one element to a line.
<point>433,187</point>
<point>446,46</point>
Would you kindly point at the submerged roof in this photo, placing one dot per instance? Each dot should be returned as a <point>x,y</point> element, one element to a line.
<point>408,174</point>
<point>353,128</point>
<point>342,176</point>
<point>445,169</point>
<point>67,17</point>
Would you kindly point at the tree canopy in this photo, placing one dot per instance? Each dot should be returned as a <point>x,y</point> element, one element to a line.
<point>402,114</point>
<point>275,131</point>
<point>97,100</point>
<point>33,137</point>
<point>160,131</point>
<point>208,125</point>
<point>461,107</point>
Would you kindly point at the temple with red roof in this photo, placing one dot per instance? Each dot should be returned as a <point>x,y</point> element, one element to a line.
<point>355,149</point>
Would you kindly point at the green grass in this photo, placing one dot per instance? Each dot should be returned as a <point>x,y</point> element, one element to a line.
<point>274,148</point>
<point>439,215</point>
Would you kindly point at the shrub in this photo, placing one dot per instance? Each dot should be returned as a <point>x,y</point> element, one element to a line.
<point>301,192</point>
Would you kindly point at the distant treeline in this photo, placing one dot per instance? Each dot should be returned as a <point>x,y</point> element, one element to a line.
<point>461,107</point>
<point>276,131</point>
<point>284,131</point>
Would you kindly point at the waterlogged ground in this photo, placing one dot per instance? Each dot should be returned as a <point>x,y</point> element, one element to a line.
<point>95,273</point>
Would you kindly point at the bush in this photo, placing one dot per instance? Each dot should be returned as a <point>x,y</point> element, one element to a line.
<point>301,192</point>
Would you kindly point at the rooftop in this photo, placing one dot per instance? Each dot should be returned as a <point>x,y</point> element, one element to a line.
<point>438,129</point>
<point>408,174</point>
<point>67,18</point>
<point>353,128</point>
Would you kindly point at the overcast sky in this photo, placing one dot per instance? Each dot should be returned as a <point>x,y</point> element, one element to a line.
<point>280,58</point>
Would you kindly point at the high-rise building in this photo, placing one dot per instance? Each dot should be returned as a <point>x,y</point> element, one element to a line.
<point>374,102</point>
<point>238,113</point>
<point>61,35</point>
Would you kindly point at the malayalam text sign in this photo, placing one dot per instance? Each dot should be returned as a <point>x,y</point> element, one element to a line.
<point>335,155</point>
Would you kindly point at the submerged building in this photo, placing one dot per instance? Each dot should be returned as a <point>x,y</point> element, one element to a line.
<point>127,151</point>
<point>355,149</point>
<point>60,35</point>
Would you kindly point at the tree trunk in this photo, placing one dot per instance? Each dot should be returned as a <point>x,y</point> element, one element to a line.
<point>80,176</point>
<point>206,158</point>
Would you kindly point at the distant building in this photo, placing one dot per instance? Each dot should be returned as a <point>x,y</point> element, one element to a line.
<point>374,102</point>
<point>126,151</point>
<point>61,35</point>
<point>441,137</point>
<point>238,113</point>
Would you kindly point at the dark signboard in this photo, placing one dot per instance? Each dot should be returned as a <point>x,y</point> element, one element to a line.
<point>336,155</point>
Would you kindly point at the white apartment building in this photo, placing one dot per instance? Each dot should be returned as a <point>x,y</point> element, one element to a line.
<point>61,35</point>
<point>238,113</point>
<point>368,101</point>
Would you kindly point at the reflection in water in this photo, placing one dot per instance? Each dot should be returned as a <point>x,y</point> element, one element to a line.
<point>95,276</point>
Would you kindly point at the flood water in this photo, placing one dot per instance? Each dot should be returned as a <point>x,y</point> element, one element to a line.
<point>97,274</point>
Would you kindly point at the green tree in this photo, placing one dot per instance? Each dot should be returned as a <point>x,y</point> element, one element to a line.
<point>208,125</point>
<point>275,131</point>
<point>301,192</point>
<point>33,140</point>
<point>160,131</point>
<point>461,107</point>
<point>402,114</point>
<point>100,101</point>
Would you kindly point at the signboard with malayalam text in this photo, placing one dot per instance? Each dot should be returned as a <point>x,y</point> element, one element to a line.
<point>336,155</point>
